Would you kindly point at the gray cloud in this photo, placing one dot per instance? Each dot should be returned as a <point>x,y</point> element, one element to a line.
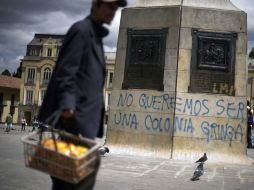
<point>14,11</point>
<point>248,7</point>
<point>20,19</point>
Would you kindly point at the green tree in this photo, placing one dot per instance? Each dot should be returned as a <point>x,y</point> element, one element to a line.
<point>6,72</point>
<point>18,72</point>
<point>251,54</point>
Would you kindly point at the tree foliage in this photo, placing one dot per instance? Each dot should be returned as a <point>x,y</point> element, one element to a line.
<point>6,72</point>
<point>251,54</point>
<point>18,72</point>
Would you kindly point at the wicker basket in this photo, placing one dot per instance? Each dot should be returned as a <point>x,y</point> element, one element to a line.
<point>68,168</point>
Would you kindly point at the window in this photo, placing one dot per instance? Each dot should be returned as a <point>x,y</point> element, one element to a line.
<point>57,51</point>
<point>110,79</point>
<point>107,100</point>
<point>46,75</point>
<point>33,52</point>
<point>252,87</point>
<point>43,92</point>
<point>29,97</point>
<point>12,107</point>
<point>49,52</point>
<point>13,100</point>
<point>1,99</point>
<point>30,75</point>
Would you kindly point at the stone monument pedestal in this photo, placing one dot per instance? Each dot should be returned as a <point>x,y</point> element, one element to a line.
<point>179,88</point>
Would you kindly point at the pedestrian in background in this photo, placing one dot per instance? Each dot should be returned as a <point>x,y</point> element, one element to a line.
<point>76,86</point>
<point>23,124</point>
<point>250,128</point>
<point>35,124</point>
<point>252,131</point>
<point>249,125</point>
<point>8,122</point>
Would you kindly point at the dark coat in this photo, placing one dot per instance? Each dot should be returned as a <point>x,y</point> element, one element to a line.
<point>78,79</point>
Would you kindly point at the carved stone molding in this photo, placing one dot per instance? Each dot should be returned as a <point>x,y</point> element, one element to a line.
<point>213,62</point>
<point>214,4</point>
<point>144,67</point>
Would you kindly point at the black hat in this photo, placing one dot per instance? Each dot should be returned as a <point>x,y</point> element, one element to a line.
<point>120,3</point>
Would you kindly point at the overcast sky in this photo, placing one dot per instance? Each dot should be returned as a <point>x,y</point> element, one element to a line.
<point>21,19</point>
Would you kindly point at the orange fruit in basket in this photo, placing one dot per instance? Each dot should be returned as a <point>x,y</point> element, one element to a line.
<point>65,148</point>
<point>73,150</point>
<point>82,150</point>
<point>77,151</point>
<point>61,145</point>
<point>48,143</point>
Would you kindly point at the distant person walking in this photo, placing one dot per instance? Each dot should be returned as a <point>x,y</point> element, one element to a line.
<point>250,142</point>
<point>8,121</point>
<point>23,124</point>
<point>35,124</point>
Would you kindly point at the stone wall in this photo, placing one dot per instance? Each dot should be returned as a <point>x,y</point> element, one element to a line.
<point>175,122</point>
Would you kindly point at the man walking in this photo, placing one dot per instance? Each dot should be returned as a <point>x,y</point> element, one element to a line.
<point>76,87</point>
<point>8,122</point>
<point>23,124</point>
<point>35,124</point>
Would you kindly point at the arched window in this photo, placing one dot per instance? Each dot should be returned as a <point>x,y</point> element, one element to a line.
<point>46,75</point>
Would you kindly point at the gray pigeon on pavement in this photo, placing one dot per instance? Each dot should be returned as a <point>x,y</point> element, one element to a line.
<point>202,159</point>
<point>198,172</point>
<point>103,150</point>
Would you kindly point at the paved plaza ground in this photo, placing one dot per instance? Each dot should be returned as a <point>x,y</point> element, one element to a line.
<point>120,172</point>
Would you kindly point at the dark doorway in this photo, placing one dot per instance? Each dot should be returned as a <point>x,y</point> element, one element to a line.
<point>28,116</point>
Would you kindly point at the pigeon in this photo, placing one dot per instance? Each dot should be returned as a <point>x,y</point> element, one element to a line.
<point>202,159</point>
<point>198,172</point>
<point>103,150</point>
